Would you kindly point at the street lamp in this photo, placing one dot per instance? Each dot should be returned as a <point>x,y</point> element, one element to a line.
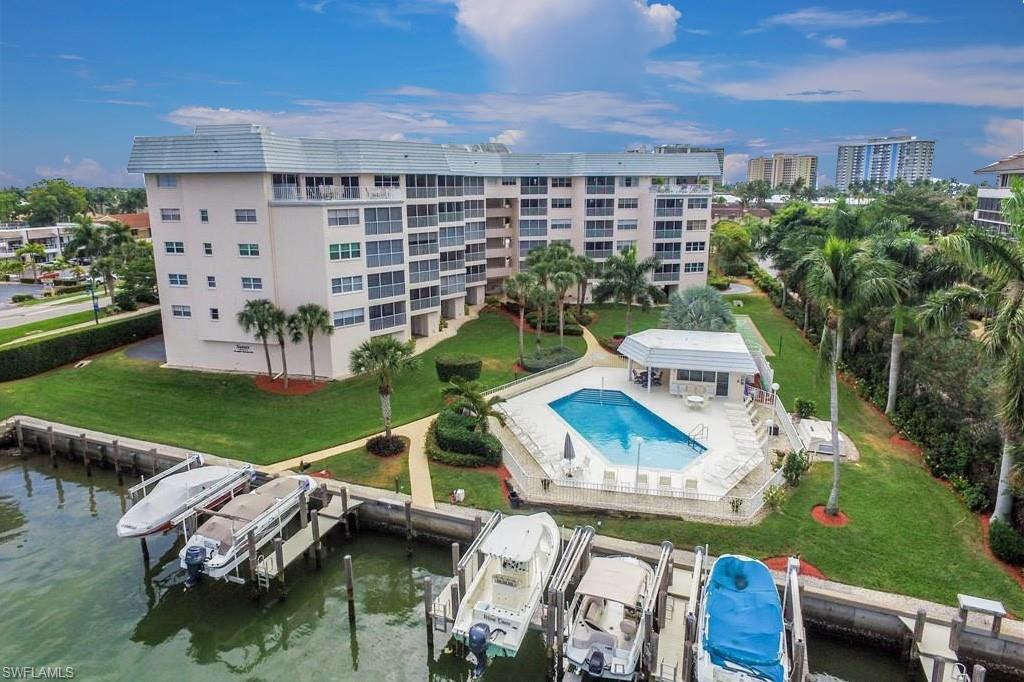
<point>95,302</point>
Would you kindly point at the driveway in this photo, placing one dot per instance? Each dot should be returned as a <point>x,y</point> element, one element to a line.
<point>8,289</point>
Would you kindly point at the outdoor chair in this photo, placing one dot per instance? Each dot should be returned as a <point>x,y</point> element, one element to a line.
<point>609,477</point>
<point>664,481</point>
<point>642,480</point>
<point>690,485</point>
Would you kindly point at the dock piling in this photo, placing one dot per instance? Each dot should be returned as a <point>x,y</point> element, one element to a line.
<point>428,599</point>
<point>689,635</point>
<point>344,511</point>
<point>978,674</point>
<point>85,454</point>
<point>408,527</point>
<point>314,520</point>
<point>52,446</point>
<point>350,589</point>
<point>938,669</point>
<point>145,550</point>
<point>279,558</point>
<point>117,461</point>
<point>152,460</point>
<point>798,660</point>
<point>919,621</point>
<point>251,542</point>
<point>956,627</point>
<point>19,433</point>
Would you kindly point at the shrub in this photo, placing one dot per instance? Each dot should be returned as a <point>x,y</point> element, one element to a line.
<point>974,494</point>
<point>450,365</point>
<point>1006,542</point>
<point>492,301</point>
<point>794,466</point>
<point>385,447</point>
<point>774,496</point>
<point>125,301</point>
<point>805,408</point>
<point>451,440</point>
<point>21,298</point>
<point>61,282</point>
<point>720,282</point>
<point>736,504</point>
<point>584,317</point>
<point>26,359</point>
<point>70,288</point>
<point>551,326</point>
<point>547,358</point>
<point>29,280</point>
<point>147,297</point>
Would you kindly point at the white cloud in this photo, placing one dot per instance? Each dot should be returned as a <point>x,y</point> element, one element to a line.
<point>835,42</point>
<point>821,18</point>
<point>86,171</point>
<point>1003,136</point>
<point>971,76</point>
<point>71,57</point>
<point>757,143</point>
<point>413,91</point>
<point>119,86</point>
<point>736,167</point>
<point>317,7</point>
<point>683,70</point>
<point>121,102</point>
<point>538,44</point>
<point>509,137</point>
<point>697,31</point>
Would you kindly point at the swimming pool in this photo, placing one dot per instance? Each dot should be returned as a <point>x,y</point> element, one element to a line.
<point>612,421</point>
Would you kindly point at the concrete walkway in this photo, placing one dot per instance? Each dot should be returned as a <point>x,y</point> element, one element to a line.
<point>82,325</point>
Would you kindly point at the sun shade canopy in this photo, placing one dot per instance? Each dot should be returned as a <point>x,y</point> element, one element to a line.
<point>686,349</point>
<point>615,579</point>
<point>515,538</point>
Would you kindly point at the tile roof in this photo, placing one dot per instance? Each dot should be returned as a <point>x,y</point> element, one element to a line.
<point>1014,162</point>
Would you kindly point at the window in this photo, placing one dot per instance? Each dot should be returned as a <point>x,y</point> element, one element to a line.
<point>475,231</point>
<point>420,186</point>
<point>533,228</point>
<point>346,285</point>
<point>385,284</point>
<point>509,181</point>
<point>449,185</point>
<point>668,207</point>
<point>597,249</point>
<point>697,203</point>
<point>387,315</point>
<point>252,283</point>
<point>426,297</point>
<point>451,236</point>
<point>167,181</point>
<point>383,253</point>
<point>452,260</point>
<point>561,181</point>
<point>346,251</point>
<point>626,224</point>
<point>174,247</point>
<point>561,203</point>
<point>284,179</point>
<point>211,282</point>
<point>342,216</point>
<point>669,251</point>
<point>528,245</point>
<point>453,284</point>
<point>696,225</point>
<point>249,250</point>
<point>181,311</point>
<point>386,181</point>
<point>561,224</point>
<point>693,267</point>
<point>170,215</point>
<point>349,318</point>
<point>204,215</point>
<point>450,212</point>
<point>601,184</point>
<point>476,273</point>
<point>695,247</point>
<point>422,244</point>
<point>630,202</point>
<point>383,220</point>
<point>424,271</point>
<point>245,215</point>
<point>598,228</point>
<point>472,187</point>
<point>476,252</point>
<point>533,185</point>
<point>668,229</point>
<point>474,208</point>
<point>422,215</point>
<point>600,207</point>
<point>207,248</point>
<point>177,280</point>
<point>667,272</point>
<point>629,181</point>
<point>215,314</point>
<point>625,245</point>
<point>533,207</point>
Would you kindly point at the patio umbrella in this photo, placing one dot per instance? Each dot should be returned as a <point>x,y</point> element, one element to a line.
<point>568,453</point>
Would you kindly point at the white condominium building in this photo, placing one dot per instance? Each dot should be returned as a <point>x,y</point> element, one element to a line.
<point>882,159</point>
<point>390,237</point>
<point>989,213</point>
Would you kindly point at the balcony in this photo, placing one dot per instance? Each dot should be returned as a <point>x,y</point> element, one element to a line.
<point>387,322</point>
<point>665,276</point>
<point>688,190</point>
<point>425,303</point>
<point>290,193</point>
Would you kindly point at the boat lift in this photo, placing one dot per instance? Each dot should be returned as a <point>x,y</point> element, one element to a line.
<point>140,490</point>
<point>228,486</point>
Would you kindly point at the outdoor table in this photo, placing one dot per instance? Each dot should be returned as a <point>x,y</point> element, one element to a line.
<point>695,401</point>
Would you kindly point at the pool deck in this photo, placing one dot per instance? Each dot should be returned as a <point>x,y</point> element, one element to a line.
<point>548,429</point>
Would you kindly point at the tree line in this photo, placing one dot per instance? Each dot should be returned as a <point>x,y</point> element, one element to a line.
<point>48,202</point>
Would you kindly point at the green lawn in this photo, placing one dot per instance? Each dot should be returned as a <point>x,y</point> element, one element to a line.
<point>30,329</point>
<point>611,319</point>
<point>226,414</point>
<point>60,299</point>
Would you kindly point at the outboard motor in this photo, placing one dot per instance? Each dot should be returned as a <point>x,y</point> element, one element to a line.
<point>195,557</point>
<point>478,640</point>
<point>595,663</point>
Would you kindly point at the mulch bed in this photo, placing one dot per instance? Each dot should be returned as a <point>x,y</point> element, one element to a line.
<point>295,386</point>
<point>837,521</point>
<point>1010,570</point>
<point>899,441</point>
<point>779,563</point>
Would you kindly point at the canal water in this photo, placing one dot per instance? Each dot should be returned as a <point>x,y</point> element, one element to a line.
<point>73,594</point>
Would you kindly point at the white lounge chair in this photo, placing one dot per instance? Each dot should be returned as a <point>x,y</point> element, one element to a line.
<point>690,485</point>
<point>609,478</point>
<point>664,481</point>
<point>642,481</point>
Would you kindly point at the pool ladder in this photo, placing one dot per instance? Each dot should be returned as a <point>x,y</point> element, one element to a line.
<point>699,433</point>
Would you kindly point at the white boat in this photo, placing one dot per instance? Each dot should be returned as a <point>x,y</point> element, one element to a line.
<point>741,635</point>
<point>220,544</point>
<point>177,493</point>
<point>605,632</point>
<point>518,557</point>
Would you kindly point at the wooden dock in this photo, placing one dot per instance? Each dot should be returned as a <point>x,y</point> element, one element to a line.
<point>308,536</point>
<point>670,664</point>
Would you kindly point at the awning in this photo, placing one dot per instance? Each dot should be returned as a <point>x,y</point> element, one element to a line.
<point>617,579</point>
<point>686,349</point>
<point>515,538</point>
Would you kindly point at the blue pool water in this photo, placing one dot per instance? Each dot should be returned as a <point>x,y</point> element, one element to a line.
<point>611,421</point>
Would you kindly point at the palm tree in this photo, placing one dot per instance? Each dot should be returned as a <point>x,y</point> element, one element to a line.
<point>279,328</point>
<point>701,308</point>
<point>625,280</point>
<point>115,235</point>
<point>843,276</point>
<point>30,252</point>
<point>308,320</point>
<point>257,318</point>
<point>468,397</point>
<point>562,281</point>
<point>384,357</point>
<point>1001,263</point>
<point>586,268</point>
<point>519,287</point>
<point>86,239</point>
<point>540,298</point>
<point>105,267</point>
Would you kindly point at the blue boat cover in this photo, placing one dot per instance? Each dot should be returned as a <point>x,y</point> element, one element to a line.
<point>744,623</point>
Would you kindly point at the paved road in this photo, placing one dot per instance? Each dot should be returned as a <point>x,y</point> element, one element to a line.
<point>13,317</point>
<point>8,289</point>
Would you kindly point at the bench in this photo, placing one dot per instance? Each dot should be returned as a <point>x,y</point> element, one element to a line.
<point>989,607</point>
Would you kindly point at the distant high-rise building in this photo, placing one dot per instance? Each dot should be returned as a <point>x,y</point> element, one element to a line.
<point>781,169</point>
<point>989,214</point>
<point>882,159</point>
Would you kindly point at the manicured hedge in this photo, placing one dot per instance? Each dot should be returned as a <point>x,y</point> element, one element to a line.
<point>382,446</point>
<point>451,365</point>
<point>551,326</point>
<point>70,288</point>
<point>29,280</point>
<point>26,359</point>
<point>1006,542</point>
<point>548,357</point>
<point>451,440</point>
<point>21,298</point>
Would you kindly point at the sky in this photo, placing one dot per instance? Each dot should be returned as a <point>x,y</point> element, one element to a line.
<point>79,80</point>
